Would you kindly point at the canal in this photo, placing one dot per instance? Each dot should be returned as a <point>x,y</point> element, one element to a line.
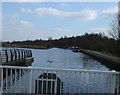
<point>64,58</point>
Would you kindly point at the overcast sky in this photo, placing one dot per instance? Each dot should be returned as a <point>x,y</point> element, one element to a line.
<point>22,21</point>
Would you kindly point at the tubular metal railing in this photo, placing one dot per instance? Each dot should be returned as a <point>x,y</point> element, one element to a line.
<point>45,80</point>
<point>9,55</point>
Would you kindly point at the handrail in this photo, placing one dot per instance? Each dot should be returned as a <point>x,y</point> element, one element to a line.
<point>58,69</point>
<point>72,80</point>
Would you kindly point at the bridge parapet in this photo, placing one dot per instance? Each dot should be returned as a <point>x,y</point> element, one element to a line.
<point>15,56</point>
<point>44,81</point>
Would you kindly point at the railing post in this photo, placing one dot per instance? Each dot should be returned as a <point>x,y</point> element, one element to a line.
<point>11,55</point>
<point>15,54</point>
<point>22,53</point>
<point>0,58</point>
<point>55,89</point>
<point>1,78</point>
<point>18,53</point>
<point>30,53</point>
<point>117,90</point>
<point>6,56</point>
<point>26,53</point>
<point>30,90</point>
<point>118,84</point>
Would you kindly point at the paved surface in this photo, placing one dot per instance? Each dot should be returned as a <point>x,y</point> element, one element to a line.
<point>105,55</point>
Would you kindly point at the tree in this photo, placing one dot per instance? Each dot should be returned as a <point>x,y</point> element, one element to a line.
<point>50,39</point>
<point>115,27</point>
<point>115,30</point>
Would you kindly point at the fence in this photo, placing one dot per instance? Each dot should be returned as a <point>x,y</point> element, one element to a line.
<point>9,55</point>
<point>23,80</point>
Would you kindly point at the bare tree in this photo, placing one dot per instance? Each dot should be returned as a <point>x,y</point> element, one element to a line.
<point>115,27</point>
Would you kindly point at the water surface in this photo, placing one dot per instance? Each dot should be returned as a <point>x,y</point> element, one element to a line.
<point>64,58</point>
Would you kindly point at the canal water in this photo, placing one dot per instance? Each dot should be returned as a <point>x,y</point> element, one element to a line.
<point>64,58</point>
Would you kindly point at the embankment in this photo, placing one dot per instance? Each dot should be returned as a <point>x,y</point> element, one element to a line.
<point>109,61</point>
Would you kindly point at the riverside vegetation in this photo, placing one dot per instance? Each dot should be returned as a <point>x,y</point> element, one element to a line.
<point>97,42</point>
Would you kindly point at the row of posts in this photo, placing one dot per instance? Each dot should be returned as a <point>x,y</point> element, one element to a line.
<point>14,54</point>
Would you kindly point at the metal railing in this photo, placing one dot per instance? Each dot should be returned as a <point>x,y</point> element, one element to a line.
<point>44,80</point>
<point>8,55</point>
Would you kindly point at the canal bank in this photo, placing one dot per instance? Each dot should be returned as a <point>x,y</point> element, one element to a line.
<point>109,61</point>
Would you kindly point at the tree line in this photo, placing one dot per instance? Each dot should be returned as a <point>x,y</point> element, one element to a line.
<point>97,42</point>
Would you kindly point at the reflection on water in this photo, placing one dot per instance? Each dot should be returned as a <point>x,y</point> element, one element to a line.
<point>16,80</point>
<point>11,76</point>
